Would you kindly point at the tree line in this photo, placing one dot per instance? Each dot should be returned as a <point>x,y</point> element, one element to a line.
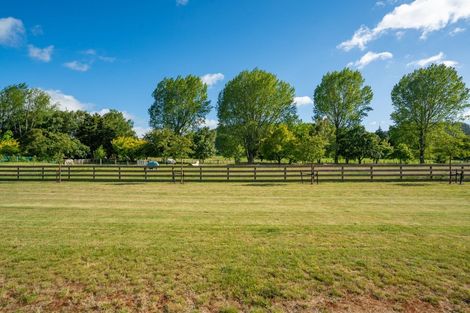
<point>257,120</point>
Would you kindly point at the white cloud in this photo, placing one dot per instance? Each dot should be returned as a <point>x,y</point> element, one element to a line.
<point>212,124</point>
<point>41,54</point>
<point>456,31</point>
<point>104,111</point>
<point>438,59</point>
<point>11,31</point>
<point>425,16</point>
<point>300,101</point>
<point>370,57</point>
<point>66,102</point>
<point>141,131</point>
<point>212,79</point>
<point>77,66</point>
<point>182,2</point>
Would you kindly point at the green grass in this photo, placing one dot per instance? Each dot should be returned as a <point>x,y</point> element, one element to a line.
<point>234,247</point>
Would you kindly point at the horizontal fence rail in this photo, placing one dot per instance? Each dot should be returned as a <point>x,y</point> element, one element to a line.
<point>237,173</point>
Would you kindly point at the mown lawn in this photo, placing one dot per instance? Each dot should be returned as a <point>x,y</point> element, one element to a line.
<point>339,247</point>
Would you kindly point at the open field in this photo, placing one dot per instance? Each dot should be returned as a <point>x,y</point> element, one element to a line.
<point>161,247</point>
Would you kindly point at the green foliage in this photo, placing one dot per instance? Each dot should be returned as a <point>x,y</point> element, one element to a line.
<point>204,143</point>
<point>279,143</point>
<point>158,141</point>
<point>427,97</point>
<point>357,143</point>
<point>22,109</point>
<point>343,99</point>
<point>403,153</point>
<point>250,104</point>
<point>48,145</point>
<point>128,148</point>
<point>99,153</point>
<point>165,143</point>
<point>180,104</point>
<point>96,130</point>
<point>8,145</point>
<point>180,147</point>
<point>310,143</point>
<point>228,145</point>
<point>449,141</point>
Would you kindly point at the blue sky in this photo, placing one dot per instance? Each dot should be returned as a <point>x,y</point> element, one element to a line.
<point>97,55</point>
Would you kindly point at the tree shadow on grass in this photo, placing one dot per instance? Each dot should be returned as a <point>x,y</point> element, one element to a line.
<point>263,184</point>
<point>126,184</point>
<point>411,184</point>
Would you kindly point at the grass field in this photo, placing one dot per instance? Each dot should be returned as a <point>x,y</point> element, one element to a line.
<point>339,247</point>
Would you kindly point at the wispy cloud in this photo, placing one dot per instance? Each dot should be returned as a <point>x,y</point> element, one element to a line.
<point>212,79</point>
<point>94,55</point>
<point>37,30</point>
<point>370,57</point>
<point>11,32</point>
<point>40,54</point>
<point>425,16</point>
<point>456,31</point>
<point>77,66</point>
<point>182,2</point>
<point>439,58</point>
<point>66,102</point>
<point>301,101</point>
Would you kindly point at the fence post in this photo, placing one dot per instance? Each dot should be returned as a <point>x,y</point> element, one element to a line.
<point>145,173</point>
<point>342,173</point>
<point>371,173</point>
<point>68,175</point>
<point>228,173</point>
<point>94,173</point>
<point>200,173</point>
<point>285,173</point>
<point>119,172</point>
<point>254,172</point>
<point>430,172</point>
<point>18,173</point>
<point>43,173</point>
<point>401,172</point>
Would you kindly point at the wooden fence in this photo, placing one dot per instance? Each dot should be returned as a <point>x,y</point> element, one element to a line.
<point>253,173</point>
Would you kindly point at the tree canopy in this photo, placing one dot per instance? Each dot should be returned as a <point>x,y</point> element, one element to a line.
<point>427,97</point>
<point>250,104</point>
<point>342,98</point>
<point>180,104</point>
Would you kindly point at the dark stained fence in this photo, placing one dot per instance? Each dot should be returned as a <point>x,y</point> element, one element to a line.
<point>242,173</point>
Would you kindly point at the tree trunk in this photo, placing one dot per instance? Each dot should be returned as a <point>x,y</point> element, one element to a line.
<point>422,147</point>
<point>251,157</point>
<point>337,144</point>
